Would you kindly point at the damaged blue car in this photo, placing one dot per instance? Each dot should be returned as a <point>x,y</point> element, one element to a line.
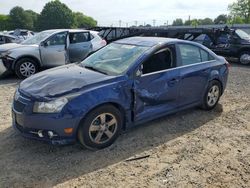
<point>128,82</point>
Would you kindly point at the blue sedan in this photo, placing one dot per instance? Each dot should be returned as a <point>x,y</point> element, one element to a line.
<point>128,82</point>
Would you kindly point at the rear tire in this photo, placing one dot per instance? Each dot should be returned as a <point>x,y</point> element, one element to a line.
<point>244,58</point>
<point>100,128</point>
<point>26,67</point>
<point>212,95</point>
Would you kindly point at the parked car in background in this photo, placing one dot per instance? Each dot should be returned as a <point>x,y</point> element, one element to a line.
<point>128,82</point>
<point>48,49</point>
<point>5,38</point>
<point>22,34</point>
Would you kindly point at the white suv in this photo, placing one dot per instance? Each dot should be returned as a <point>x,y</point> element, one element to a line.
<point>48,49</point>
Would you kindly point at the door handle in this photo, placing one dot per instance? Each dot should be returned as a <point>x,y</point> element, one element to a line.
<point>205,70</point>
<point>173,81</point>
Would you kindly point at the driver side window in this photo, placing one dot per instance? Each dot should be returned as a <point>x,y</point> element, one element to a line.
<point>161,60</point>
<point>57,39</point>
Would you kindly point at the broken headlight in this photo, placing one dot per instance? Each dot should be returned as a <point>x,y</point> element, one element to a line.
<point>54,106</point>
<point>3,54</point>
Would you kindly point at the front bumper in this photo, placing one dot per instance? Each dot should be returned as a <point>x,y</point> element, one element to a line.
<point>29,124</point>
<point>5,67</point>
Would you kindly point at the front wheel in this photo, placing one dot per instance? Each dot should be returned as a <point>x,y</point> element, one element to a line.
<point>212,95</point>
<point>244,58</point>
<point>25,68</point>
<point>100,128</point>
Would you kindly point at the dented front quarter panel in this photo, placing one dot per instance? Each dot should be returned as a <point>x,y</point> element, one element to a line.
<point>117,92</point>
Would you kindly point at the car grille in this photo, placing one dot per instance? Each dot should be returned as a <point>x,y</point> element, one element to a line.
<point>18,106</point>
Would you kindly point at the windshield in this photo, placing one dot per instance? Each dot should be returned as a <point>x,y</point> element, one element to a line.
<point>36,39</point>
<point>114,59</point>
<point>242,34</point>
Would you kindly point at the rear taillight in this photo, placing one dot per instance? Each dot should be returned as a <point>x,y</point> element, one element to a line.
<point>228,64</point>
<point>104,43</point>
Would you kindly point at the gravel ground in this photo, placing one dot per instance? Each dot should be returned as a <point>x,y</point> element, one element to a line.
<point>192,148</point>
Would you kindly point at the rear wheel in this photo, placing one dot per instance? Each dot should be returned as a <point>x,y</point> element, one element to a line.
<point>244,58</point>
<point>100,128</point>
<point>212,95</point>
<point>26,67</point>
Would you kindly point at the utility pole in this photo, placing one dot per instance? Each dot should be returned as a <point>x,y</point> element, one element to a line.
<point>120,23</point>
<point>154,21</point>
<point>127,24</point>
<point>136,22</point>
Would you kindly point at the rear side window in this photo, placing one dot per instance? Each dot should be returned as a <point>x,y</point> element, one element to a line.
<point>79,37</point>
<point>192,54</point>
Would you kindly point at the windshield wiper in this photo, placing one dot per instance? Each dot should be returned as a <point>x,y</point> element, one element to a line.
<point>95,69</point>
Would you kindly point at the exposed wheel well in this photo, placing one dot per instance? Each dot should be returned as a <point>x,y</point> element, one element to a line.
<point>30,57</point>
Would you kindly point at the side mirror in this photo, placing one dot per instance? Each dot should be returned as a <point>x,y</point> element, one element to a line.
<point>44,44</point>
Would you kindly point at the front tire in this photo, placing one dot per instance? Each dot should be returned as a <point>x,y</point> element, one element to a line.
<point>26,67</point>
<point>100,128</point>
<point>212,95</point>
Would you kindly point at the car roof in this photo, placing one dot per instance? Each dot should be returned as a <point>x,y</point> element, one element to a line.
<point>7,35</point>
<point>69,30</point>
<point>151,41</point>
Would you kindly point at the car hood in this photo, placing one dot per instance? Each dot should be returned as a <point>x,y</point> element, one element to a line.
<point>12,46</point>
<point>60,81</point>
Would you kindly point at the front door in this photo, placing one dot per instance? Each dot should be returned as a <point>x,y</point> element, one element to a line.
<point>54,50</point>
<point>156,91</point>
<point>80,46</point>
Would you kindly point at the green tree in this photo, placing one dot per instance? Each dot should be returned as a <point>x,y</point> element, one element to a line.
<point>188,22</point>
<point>221,19</point>
<point>20,19</point>
<point>178,22</point>
<point>33,15</point>
<point>206,21</point>
<point>83,21</point>
<point>240,9</point>
<point>4,22</point>
<point>194,22</point>
<point>55,15</point>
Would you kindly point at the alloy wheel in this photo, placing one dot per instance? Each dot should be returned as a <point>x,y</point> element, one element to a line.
<point>103,128</point>
<point>213,95</point>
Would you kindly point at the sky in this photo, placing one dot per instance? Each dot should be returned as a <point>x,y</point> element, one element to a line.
<point>130,12</point>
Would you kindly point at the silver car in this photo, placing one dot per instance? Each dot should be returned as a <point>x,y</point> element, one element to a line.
<point>5,38</point>
<point>48,49</point>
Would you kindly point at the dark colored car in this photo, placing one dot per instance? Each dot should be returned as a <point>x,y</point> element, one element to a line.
<point>128,82</point>
<point>232,43</point>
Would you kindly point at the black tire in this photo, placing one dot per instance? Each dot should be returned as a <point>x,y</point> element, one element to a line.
<point>207,104</point>
<point>244,58</point>
<point>86,137</point>
<point>23,62</point>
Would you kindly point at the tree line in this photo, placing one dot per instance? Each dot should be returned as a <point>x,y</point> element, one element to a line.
<point>58,15</point>
<point>239,14</point>
<point>54,15</point>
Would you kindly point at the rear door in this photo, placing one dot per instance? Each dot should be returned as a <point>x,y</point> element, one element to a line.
<point>54,50</point>
<point>156,91</point>
<point>195,69</point>
<point>79,46</point>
